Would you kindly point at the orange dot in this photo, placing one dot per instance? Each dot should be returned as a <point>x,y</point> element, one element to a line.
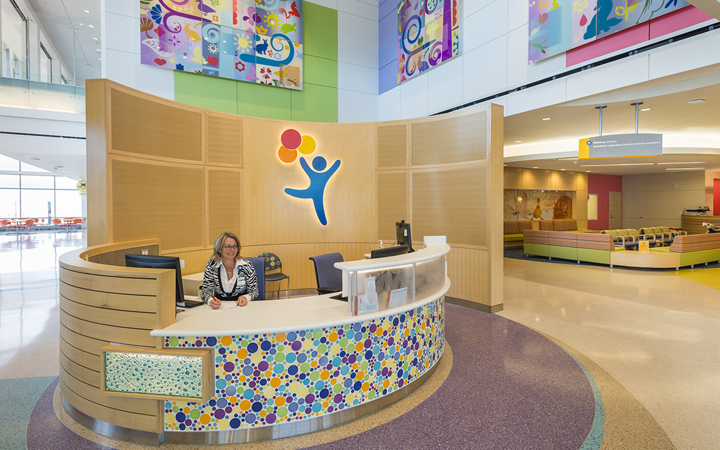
<point>324,375</point>
<point>379,331</point>
<point>286,156</point>
<point>226,340</point>
<point>360,375</point>
<point>326,404</point>
<point>366,386</point>
<point>275,382</point>
<point>245,405</point>
<point>386,383</point>
<point>333,337</point>
<point>314,363</point>
<point>279,401</point>
<point>358,347</point>
<point>242,378</point>
<point>232,399</point>
<point>268,373</point>
<point>205,419</point>
<point>263,413</point>
<point>242,353</point>
<point>280,337</point>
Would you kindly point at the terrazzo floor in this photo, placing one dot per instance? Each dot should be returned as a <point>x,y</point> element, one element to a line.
<point>646,337</point>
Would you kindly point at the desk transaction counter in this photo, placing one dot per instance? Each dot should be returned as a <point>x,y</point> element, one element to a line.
<point>272,369</point>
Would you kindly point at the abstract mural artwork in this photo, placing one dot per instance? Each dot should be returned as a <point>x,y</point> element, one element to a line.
<point>537,205</point>
<point>556,26</point>
<point>428,35</point>
<point>259,41</point>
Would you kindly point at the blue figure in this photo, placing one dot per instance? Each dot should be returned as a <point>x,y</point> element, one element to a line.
<point>318,181</point>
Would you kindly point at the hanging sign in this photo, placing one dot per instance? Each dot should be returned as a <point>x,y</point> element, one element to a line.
<point>620,146</point>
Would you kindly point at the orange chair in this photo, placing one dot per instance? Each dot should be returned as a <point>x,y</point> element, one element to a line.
<point>30,224</point>
<point>77,224</point>
<point>6,225</point>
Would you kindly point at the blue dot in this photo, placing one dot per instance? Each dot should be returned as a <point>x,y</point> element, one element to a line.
<point>301,358</point>
<point>291,336</point>
<point>292,370</point>
<point>290,357</point>
<point>257,406</point>
<point>252,348</point>
<point>220,384</point>
<point>211,341</point>
<point>250,418</point>
<point>265,345</point>
<point>319,163</point>
<point>247,370</point>
<point>248,394</point>
<point>221,403</point>
<point>235,423</point>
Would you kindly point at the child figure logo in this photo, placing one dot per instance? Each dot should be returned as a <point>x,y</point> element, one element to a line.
<point>292,143</point>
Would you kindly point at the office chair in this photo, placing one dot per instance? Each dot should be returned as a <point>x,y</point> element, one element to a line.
<point>259,266</point>
<point>328,277</point>
<point>272,262</point>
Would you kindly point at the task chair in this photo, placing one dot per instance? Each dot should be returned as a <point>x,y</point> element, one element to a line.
<point>259,266</point>
<point>272,262</point>
<point>328,277</point>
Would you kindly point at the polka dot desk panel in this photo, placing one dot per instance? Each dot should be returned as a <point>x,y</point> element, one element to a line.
<point>268,379</point>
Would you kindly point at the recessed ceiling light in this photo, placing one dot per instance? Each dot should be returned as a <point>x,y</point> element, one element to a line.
<point>518,141</point>
<point>587,171</point>
<point>535,167</point>
<point>562,169</point>
<point>696,101</point>
<point>81,24</point>
<point>93,26</point>
<point>95,38</point>
<point>646,109</point>
<point>86,11</point>
<point>546,118</point>
<point>668,163</point>
<point>98,50</point>
<point>685,168</point>
<point>616,165</point>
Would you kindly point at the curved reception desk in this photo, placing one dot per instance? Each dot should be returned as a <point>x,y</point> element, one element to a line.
<point>272,369</point>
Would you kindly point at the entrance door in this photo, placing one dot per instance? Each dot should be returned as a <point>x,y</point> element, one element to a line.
<point>615,210</point>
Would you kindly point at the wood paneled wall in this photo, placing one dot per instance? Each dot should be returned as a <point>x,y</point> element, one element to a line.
<point>195,173</point>
<point>100,304</point>
<point>448,182</point>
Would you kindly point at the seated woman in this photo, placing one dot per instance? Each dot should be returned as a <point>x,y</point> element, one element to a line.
<point>227,276</point>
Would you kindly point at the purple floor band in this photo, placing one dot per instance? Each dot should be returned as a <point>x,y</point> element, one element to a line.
<point>509,388</point>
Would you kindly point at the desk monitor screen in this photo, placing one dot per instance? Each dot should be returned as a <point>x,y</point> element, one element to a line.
<point>389,251</point>
<point>160,262</point>
<point>402,235</point>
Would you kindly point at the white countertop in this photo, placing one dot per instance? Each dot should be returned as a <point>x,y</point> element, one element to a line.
<point>276,316</point>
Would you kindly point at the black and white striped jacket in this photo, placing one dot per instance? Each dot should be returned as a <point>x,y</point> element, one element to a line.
<point>246,282</point>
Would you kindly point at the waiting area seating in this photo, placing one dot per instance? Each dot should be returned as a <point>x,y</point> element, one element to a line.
<point>629,238</point>
<point>513,229</point>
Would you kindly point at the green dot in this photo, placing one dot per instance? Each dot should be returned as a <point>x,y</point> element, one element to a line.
<point>279,357</point>
<point>343,342</point>
<point>337,388</point>
<point>315,376</point>
<point>176,409</point>
<point>305,367</point>
<point>195,414</point>
<point>364,366</point>
<point>282,412</point>
<point>322,348</point>
<point>317,334</point>
<point>371,395</point>
<point>173,341</point>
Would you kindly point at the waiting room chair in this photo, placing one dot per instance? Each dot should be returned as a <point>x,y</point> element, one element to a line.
<point>328,277</point>
<point>272,262</point>
<point>259,266</point>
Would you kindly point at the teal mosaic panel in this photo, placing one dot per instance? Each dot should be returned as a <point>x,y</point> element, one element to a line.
<point>142,373</point>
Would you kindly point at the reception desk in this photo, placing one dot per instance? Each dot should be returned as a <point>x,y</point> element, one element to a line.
<point>272,369</point>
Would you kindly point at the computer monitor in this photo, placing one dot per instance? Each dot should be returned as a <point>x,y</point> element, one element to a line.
<point>388,251</point>
<point>402,234</point>
<point>160,262</point>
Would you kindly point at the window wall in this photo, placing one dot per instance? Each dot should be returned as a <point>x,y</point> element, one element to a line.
<point>27,191</point>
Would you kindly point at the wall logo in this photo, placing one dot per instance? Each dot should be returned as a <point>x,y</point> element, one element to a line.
<point>292,143</point>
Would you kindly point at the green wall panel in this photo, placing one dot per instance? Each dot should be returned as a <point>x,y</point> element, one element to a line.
<point>317,102</point>
<point>203,91</point>
<point>268,102</point>
<point>313,104</point>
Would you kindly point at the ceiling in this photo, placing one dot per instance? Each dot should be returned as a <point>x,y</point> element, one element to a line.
<point>71,30</point>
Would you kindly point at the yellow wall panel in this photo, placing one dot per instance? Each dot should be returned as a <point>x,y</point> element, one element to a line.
<point>224,196</point>
<point>451,203</point>
<point>562,181</point>
<point>224,139</point>
<point>148,127</point>
<point>462,138</point>
<point>157,200</point>
<point>392,203</point>
<point>512,178</point>
<point>392,145</point>
<point>468,270</point>
<point>535,179</point>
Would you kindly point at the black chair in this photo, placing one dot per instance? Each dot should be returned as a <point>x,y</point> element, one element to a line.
<point>328,277</point>
<point>272,262</point>
<point>259,266</point>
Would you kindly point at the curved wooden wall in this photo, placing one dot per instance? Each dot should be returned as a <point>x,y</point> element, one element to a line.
<point>99,305</point>
<point>181,174</point>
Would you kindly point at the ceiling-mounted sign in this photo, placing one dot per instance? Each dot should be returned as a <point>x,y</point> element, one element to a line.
<point>620,146</point>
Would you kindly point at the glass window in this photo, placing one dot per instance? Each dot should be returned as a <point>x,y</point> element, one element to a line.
<point>36,181</point>
<point>25,167</point>
<point>7,163</point>
<point>9,203</point>
<point>69,204</point>
<point>9,181</point>
<point>65,183</point>
<point>37,202</point>
<point>14,38</point>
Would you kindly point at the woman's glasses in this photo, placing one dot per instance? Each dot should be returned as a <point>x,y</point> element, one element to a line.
<point>230,247</point>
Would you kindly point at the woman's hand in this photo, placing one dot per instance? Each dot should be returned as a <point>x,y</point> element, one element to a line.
<point>242,301</point>
<point>214,303</point>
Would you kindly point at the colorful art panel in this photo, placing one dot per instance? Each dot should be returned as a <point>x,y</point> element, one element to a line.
<point>537,205</point>
<point>553,31</point>
<point>258,41</point>
<point>279,378</point>
<point>428,35</point>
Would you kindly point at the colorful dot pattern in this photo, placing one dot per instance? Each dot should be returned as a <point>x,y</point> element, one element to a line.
<point>268,379</point>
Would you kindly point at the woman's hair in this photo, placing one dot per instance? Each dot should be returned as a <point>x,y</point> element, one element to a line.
<point>220,241</point>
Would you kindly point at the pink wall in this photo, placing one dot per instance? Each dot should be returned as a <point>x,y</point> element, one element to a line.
<point>602,185</point>
<point>654,28</point>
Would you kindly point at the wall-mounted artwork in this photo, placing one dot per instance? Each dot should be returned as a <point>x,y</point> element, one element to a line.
<point>259,41</point>
<point>537,205</point>
<point>428,35</point>
<point>557,26</point>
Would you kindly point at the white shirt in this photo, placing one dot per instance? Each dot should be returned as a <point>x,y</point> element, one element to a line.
<point>229,283</point>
